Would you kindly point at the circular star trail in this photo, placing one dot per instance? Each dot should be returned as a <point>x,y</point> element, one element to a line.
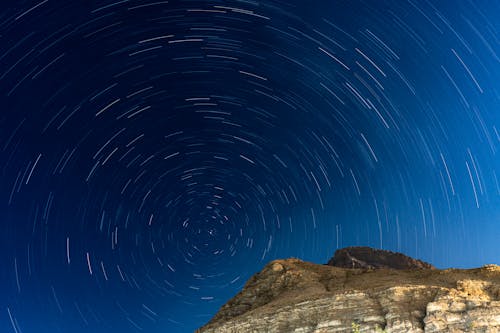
<point>154,155</point>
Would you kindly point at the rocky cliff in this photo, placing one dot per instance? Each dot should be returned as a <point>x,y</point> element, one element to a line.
<point>367,257</point>
<point>296,296</point>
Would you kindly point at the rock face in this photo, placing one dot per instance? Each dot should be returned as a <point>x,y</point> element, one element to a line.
<point>366,257</point>
<point>296,296</point>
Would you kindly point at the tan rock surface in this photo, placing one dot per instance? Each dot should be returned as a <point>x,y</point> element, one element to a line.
<point>296,296</point>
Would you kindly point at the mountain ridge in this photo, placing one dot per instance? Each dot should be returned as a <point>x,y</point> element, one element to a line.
<point>291,295</point>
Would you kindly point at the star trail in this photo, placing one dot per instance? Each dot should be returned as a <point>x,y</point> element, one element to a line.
<point>156,154</point>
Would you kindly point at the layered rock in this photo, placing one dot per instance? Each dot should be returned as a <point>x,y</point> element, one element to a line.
<point>296,296</point>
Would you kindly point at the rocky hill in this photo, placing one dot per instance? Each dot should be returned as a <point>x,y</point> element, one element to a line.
<point>405,295</point>
<point>366,257</point>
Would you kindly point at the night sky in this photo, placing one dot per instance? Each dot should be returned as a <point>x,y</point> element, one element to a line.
<point>155,155</point>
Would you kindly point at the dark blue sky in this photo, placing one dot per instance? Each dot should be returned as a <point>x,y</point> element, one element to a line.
<point>154,155</point>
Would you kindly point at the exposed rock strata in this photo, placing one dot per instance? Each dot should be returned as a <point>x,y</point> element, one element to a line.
<point>296,296</point>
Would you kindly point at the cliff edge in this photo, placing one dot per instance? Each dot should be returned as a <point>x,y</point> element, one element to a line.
<point>296,296</point>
